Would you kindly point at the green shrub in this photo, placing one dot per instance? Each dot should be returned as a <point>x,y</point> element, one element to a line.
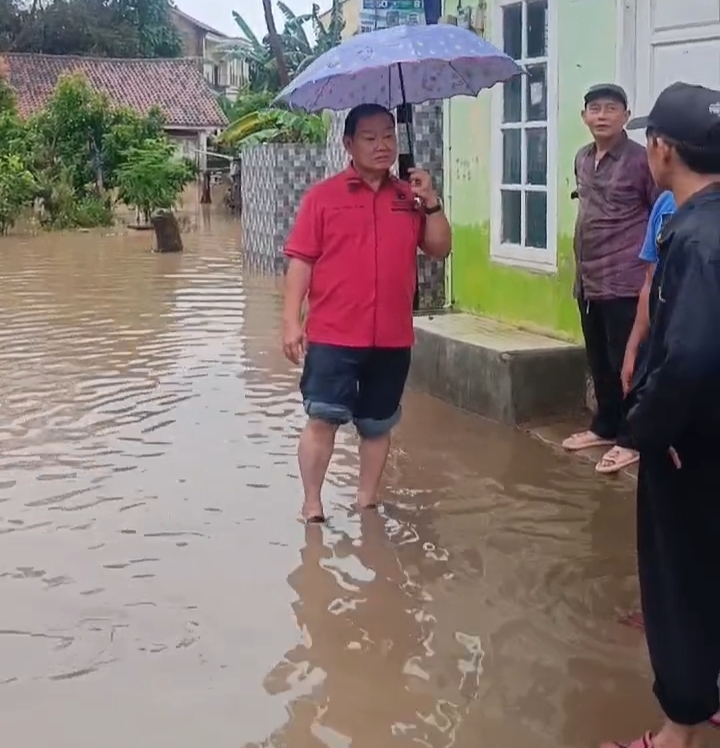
<point>153,177</point>
<point>83,213</point>
<point>64,209</point>
<point>17,190</point>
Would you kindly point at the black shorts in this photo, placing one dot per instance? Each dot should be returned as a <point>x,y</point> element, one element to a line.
<point>362,385</point>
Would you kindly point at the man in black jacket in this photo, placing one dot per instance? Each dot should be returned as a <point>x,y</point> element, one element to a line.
<point>674,419</point>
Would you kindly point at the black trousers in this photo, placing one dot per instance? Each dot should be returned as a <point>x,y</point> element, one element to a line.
<point>678,537</point>
<point>606,326</point>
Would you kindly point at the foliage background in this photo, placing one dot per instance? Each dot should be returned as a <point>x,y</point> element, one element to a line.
<point>73,157</point>
<point>253,118</point>
<point>104,28</point>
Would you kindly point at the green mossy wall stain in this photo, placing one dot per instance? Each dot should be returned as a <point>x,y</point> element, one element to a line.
<point>534,300</point>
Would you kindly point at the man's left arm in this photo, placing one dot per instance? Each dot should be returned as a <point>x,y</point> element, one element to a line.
<point>436,240</point>
<point>436,237</point>
<point>690,295</point>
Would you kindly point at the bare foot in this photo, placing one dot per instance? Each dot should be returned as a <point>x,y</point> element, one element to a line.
<point>677,736</point>
<point>312,512</point>
<point>362,504</point>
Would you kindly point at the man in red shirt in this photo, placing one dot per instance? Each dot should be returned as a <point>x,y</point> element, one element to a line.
<point>352,254</point>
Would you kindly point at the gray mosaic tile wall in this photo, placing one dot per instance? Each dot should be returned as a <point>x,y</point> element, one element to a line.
<point>336,155</point>
<point>428,131</point>
<point>275,177</point>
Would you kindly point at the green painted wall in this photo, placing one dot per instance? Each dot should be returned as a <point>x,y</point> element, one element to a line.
<point>532,299</point>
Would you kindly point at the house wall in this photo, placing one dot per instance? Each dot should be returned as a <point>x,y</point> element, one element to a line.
<point>351,15</point>
<point>192,144</point>
<point>191,36</point>
<point>532,289</point>
<point>359,19</point>
<point>225,74</point>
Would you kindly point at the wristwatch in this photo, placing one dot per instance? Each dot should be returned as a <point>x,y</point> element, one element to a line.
<point>436,209</point>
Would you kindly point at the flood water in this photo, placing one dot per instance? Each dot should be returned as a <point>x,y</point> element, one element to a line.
<point>157,589</point>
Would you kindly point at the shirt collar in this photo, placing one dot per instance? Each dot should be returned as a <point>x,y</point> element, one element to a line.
<point>617,150</point>
<point>354,180</point>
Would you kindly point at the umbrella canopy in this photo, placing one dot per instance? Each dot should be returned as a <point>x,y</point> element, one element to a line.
<point>400,65</point>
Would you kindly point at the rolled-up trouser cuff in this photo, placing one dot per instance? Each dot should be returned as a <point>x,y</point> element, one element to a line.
<point>371,428</point>
<point>337,415</point>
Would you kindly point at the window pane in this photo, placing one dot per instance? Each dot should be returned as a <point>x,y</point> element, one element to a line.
<point>536,155</point>
<point>536,219</point>
<point>512,140</point>
<point>512,30</point>
<point>537,28</point>
<point>511,216</point>
<point>536,93</point>
<point>512,99</point>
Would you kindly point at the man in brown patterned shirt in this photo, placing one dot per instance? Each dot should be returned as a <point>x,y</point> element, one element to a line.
<point>616,193</point>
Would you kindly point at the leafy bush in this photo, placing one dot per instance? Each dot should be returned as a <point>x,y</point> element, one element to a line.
<point>82,134</point>
<point>64,209</point>
<point>85,213</point>
<point>121,28</point>
<point>152,177</point>
<point>93,211</point>
<point>76,152</point>
<point>17,189</point>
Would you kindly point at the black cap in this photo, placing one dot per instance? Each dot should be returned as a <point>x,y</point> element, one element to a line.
<point>606,91</point>
<point>687,114</point>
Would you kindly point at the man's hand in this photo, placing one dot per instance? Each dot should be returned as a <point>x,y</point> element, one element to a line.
<point>421,185</point>
<point>293,341</point>
<point>628,369</point>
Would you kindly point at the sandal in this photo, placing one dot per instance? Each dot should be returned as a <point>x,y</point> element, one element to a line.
<point>646,741</point>
<point>617,459</point>
<point>585,440</point>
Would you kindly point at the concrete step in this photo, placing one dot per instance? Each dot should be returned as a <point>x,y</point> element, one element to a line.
<point>496,370</point>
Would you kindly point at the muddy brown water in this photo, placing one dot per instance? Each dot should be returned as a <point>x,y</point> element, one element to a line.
<point>157,589</point>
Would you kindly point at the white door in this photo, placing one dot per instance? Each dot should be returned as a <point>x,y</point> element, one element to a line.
<point>675,40</point>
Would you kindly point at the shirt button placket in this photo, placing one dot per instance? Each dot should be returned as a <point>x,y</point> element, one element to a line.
<point>375,243</point>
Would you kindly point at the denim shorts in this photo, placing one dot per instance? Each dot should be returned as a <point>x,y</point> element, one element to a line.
<point>362,385</point>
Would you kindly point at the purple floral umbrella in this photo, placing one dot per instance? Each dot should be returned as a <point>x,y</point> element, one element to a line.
<point>399,65</point>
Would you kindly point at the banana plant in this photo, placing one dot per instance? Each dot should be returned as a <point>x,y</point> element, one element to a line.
<point>274,126</point>
<point>295,45</point>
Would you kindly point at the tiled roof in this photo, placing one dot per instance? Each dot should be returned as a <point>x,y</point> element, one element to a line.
<point>176,86</point>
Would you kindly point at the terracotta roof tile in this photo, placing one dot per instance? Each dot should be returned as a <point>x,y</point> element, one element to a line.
<point>175,85</point>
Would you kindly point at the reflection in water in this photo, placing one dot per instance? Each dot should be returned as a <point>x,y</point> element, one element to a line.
<point>158,591</point>
<point>364,665</point>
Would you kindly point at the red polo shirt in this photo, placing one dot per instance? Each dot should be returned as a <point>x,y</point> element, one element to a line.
<point>362,245</point>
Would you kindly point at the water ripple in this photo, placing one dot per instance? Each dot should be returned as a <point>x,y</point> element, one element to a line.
<point>157,589</point>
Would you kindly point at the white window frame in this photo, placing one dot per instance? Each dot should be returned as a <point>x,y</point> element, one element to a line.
<point>533,258</point>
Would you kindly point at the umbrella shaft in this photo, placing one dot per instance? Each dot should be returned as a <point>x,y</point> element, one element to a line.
<point>407,118</point>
